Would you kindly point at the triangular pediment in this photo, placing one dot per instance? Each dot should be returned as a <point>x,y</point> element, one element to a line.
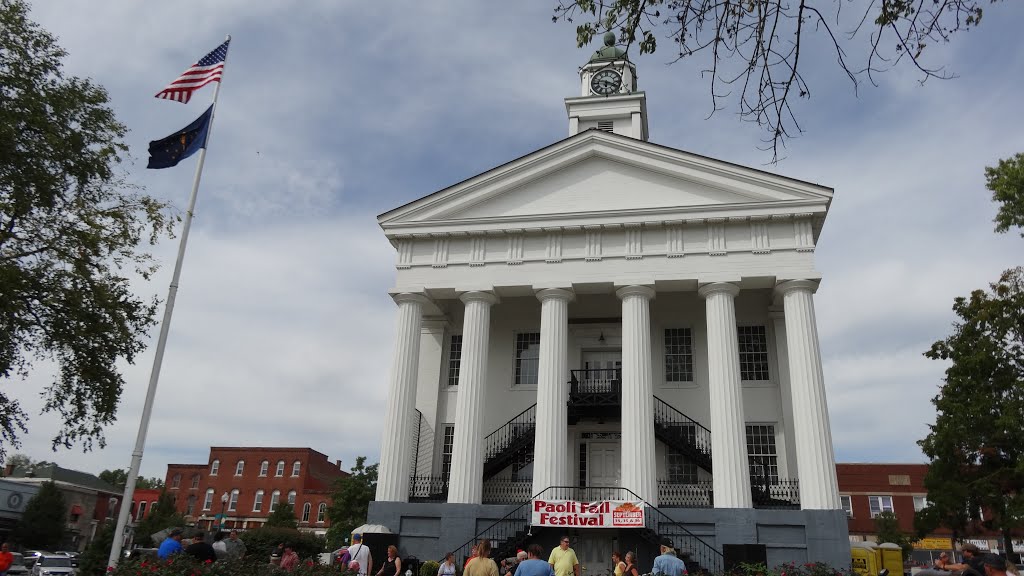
<point>595,173</point>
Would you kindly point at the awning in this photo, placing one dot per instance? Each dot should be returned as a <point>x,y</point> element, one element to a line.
<point>76,510</point>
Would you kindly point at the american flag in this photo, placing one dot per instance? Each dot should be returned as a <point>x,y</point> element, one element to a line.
<point>208,69</point>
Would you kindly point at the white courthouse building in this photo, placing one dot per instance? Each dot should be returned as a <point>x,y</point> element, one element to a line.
<point>611,318</point>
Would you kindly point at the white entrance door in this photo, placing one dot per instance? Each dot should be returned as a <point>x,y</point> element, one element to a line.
<point>601,369</point>
<point>594,550</point>
<point>604,464</point>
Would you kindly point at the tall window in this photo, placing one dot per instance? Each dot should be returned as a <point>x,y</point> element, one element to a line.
<point>274,497</point>
<point>678,355</point>
<point>446,451</point>
<point>142,511</point>
<point>176,481</point>
<point>321,513</point>
<point>305,511</point>
<point>233,501</point>
<point>847,505</point>
<point>264,467</point>
<point>296,467</point>
<point>291,498</point>
<point>257,503</point>
<point>762,457</point>
<point>920,503</point>
<point>112,507</point>
<point>195,481</point>
<point>191,506</point>
<point>208,501</point>
<point>454,359</point>
<point>239,468</point>
<point>753,344</point>
<point>214,467</point>
<point>527,357</point>
<point>280,468</point>
<point>679,468</point>
<point>879,504</point>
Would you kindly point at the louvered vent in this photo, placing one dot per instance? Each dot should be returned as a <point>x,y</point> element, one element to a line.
<point>605,125</point>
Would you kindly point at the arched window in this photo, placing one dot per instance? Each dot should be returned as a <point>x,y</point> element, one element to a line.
<point>274,497</point>
<point>280,468</point>
<point>296,466</point>
<point>239,468</point>
<point>291,498</point>
<point>151,506</point>
<point>191,505</point>
<point>257,503</point>
<point>195,481</point>
<point>321,513</point>
<point>305,511</point>
<point>214,467</point>
<point>112,508</point>
<point>142,512</point>
<point>264,467</point>
<point>233,502</point>
<point>208,501</point>
<point>176,481</point>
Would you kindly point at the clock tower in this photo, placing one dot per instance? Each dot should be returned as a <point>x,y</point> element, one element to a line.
<point>609,99</point>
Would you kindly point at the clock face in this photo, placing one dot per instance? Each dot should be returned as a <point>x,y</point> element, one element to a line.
<point>605,82</point>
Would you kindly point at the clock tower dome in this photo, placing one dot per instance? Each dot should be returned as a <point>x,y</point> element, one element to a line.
<point>609,99</point>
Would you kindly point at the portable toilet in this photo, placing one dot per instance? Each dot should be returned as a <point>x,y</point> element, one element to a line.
<point>866,560</point>
<point>891,558</point>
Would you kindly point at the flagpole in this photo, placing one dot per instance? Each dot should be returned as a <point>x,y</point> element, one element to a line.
<point>165,326</point>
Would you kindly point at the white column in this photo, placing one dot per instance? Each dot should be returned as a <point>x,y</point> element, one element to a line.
<point>466,483</point>
<point>395,450</point>
<point>815,461</point>
<point>550,445</point>
<point>639,467</point>
<point>730,475</point>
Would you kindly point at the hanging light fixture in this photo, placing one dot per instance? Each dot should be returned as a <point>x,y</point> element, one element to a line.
<point>601,337</point>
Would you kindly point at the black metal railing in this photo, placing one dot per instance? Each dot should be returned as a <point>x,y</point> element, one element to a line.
<point>595,381</point>
<point>781,494</point>
<point>507,533</point>
<point>775,493</point>
<point>428,489</point>
<point>507,490</point>
<point>685,495</point>
<point>682,433</point>
<point>512,443</point>
<point>417,423</point>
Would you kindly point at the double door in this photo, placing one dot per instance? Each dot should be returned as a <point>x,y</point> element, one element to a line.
<point>601,370</point>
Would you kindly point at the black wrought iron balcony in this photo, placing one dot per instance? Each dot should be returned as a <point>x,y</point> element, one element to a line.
<point>428,489</point>
<point>595,394</point>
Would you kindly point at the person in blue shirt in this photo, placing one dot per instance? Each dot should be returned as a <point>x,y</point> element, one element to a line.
<point>668,564</point>
<point>533,565</point>
<point>170,545</point>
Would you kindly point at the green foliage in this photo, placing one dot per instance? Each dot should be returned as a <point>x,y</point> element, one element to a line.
<point>18,461</point>
<point>350,501</point>
<point>887,529</point>
<point>429,568</point>
<point>976,445</point>
<point>282,517</point>
<point>751,49</point>
<point>791,569</point>
<point>162,515</point>
<point>119,478</point>
<point>94,560</point>
<point>261,542</point>
<point>70,234</point>
<point>180,564</point>
<point>42,524</point>
<point>1006,181</point>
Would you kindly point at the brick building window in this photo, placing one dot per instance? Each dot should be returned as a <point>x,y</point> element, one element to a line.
<point>214,467</point>
<point>920,503</point>
<point>527,358</point>
<point>296,467</point>
<point>847,505</point>
<point>264,467</point>
<point>208,501</point>
<point>446,451</point>
<point>257,503</point>
<point>306,509</point>
<point>176,481</point>
<point>753,344</point>
<point>291,498</point>
<point>762,456</point>
<point>678,355</point>
<point>233,501</point>
<point>280,469</point>
<point>274,497</point>
<point>454,359</point>
<point>195,481</point>
<point>321,513</point>
<point>879,504</point>
<point>239,468</point>
<point>191,506</point>
<point>142,511</point>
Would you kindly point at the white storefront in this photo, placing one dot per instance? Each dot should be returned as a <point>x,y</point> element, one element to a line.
<point>608,313</point>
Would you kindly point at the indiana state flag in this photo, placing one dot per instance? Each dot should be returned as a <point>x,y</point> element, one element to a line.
<point>168,151</point>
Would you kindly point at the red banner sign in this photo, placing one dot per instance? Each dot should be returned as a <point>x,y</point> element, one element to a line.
<point>598,514</point>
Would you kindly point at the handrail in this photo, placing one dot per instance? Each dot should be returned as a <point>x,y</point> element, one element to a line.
<point>417,425</point>
<point>582,381</point>
<point>697,435</point>
<point>497,441</point>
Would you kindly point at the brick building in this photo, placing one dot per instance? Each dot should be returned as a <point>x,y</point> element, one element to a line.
<point>866,490</point>
<point>244,485</point>
<point>142,502</point>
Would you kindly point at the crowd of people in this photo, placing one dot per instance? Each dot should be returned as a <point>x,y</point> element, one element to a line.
<point>224,547</point>
<point>975,563</point>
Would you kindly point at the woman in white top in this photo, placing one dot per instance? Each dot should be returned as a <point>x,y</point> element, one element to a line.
<point>447,567</point>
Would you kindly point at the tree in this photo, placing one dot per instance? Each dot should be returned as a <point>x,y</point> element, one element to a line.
<point>976,446</point>
<point>119,478</point>
<point>350,501</point>
<point>887,529</point>
<point>282,517</point>
<point>94,559</point>
<point>19,461</point>
<point>754,47</point>
<point>71,231</point>
<point>1006,181</point>
<point>160,516</point>
<point>42,523</point>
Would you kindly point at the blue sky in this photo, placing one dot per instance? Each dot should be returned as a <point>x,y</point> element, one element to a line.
<point>333,112</point>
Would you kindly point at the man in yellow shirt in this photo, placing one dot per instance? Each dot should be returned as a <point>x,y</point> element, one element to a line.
<point>563,559</point>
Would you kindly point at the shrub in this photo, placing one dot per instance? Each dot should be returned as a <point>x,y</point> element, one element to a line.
<point>429,568</point>
<point>792,569</point>
<point>261,543</point>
